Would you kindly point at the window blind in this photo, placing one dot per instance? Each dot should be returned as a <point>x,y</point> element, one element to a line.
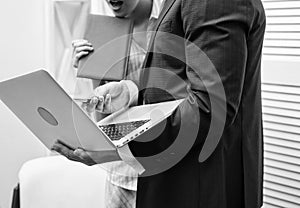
<point>283,28</point>
<point>281,104</point>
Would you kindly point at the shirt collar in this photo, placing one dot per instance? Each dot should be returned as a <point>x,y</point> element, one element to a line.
<point>156,8</point>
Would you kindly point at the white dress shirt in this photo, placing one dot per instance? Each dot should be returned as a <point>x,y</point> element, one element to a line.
<point>124,151</point>
<point>124,174</point>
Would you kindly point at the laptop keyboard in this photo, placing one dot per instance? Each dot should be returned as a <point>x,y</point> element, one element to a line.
<point>119,130</point>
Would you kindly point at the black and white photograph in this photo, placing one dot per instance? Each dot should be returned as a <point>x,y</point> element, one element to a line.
<point>150,104</point>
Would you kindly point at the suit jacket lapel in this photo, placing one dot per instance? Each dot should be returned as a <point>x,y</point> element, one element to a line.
<point>166,7</point>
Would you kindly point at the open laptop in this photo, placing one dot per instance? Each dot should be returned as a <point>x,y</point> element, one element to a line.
<point>51,114</point>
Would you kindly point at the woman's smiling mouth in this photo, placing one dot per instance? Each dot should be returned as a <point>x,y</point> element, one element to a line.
<point>116,4</point>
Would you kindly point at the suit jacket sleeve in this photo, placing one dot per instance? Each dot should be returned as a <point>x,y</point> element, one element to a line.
<point>216,55</point>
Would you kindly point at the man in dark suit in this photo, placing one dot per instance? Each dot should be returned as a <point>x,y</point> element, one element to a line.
<point>230,34</point>
<point>209,53</point>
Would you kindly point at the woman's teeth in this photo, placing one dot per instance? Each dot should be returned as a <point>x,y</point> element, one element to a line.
<point>116,4</point>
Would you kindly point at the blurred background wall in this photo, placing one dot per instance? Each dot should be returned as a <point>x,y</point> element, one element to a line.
<point>22,49</point>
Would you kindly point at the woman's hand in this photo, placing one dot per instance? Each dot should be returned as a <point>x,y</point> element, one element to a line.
<point>86,157</point>
<point>81,48</point>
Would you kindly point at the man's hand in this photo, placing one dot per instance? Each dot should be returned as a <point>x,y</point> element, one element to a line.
<point>87,157</point>
<point>109,98</point>
<point>81,48</point>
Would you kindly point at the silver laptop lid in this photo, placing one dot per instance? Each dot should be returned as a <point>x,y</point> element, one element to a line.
<point>46,109</point>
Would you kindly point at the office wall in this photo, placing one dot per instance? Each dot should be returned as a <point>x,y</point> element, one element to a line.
<point>22,49</point>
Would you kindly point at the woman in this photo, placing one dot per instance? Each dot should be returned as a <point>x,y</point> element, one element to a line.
<point>122,180</point>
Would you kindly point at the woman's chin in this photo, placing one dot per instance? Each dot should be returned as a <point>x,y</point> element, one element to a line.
<point>120,14</point>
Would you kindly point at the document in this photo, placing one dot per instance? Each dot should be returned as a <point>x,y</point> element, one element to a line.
<point>111,40</point>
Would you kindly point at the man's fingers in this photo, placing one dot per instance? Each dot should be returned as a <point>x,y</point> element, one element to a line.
<point>84,156</point>
<point>100,104</point>
<point>104,105</point>
<point>102,90</point>
<point>91,106</point>
<point>112,88</point>
<point>78,155</point>
<point>65,151</point>
<point>56,147</point>
<point>81,153</point>
<point>107,104</point>
<point>60,148</point>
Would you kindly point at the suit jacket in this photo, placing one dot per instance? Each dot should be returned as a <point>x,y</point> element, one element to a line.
<point>209,53</point>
